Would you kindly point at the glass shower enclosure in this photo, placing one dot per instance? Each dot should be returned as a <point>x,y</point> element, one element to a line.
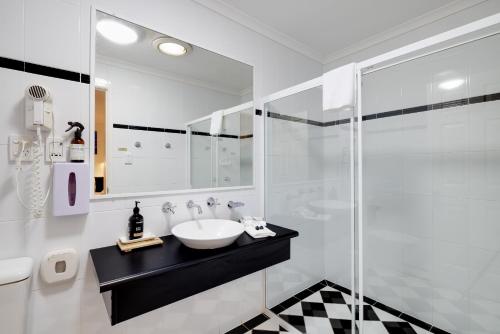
<point>309,182</point>
<point>399,210</point>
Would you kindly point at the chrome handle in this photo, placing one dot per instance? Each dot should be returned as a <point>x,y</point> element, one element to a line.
<point>212,202</point>
<point>232,204</point>
<point>168,207</point>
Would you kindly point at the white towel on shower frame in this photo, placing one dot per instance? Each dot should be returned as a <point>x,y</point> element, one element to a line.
<point>216,122</point>
<point>338,87</point>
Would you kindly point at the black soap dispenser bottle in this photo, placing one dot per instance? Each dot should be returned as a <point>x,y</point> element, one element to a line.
<point>135,224</point>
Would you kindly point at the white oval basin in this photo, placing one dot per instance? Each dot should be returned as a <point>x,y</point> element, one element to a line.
<point>208,233</point>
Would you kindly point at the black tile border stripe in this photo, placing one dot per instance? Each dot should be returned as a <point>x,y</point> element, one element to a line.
<point>293,119</point>
<point>249,325</point>
<point>195,133</point>
<point>51,72</point>
<point>48,71</point>
<point>372,302</point>
<point>258,112</point>
<point>393,113</point>
<point>84,78</point>
<point>11,64</point>
<point>147,128</point>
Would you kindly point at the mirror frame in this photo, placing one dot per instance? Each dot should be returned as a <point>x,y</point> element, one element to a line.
<point>91,127</point>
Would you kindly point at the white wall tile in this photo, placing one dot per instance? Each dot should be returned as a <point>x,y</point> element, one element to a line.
<point>13,84</point>
<point>52,33</point>
<point>12,29</point>
<point>56,309</point>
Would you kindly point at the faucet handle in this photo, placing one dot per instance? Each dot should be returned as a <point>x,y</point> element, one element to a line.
<point>168,207</point>
<point>212,202</point>
<point>232,204</point>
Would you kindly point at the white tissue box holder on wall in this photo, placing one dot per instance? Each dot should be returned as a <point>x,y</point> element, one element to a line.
<point>70,189</point>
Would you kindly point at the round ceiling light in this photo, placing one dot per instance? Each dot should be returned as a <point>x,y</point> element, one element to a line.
<point>172,47</point>
<point>116,32</point>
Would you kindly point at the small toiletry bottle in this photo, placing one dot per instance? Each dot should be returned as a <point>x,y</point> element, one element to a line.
<point>77,146</point>
<point>135,224</point>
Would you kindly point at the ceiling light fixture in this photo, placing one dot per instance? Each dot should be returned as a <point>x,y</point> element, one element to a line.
<point>172,46</point>
<point>116,32</point>
<point>451,84</point>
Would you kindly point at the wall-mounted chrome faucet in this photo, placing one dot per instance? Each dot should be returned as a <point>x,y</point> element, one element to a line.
<point>168,207</point>
<point>190,205</point>
<point>232,204</point>
<point>212,202</point>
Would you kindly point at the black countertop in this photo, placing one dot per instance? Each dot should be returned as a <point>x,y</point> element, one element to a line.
<point>115,268</point>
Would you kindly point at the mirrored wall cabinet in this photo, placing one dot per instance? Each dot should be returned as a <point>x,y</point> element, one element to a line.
<point>168,115</point>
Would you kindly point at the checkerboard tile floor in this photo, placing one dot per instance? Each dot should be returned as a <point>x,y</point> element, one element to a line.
<point>325,308</point>
<point>261,324</point>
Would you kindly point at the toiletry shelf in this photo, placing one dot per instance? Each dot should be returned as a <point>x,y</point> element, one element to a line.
<point>146,279</point>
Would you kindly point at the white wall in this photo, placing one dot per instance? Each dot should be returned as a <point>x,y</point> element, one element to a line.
<point>56,33</point>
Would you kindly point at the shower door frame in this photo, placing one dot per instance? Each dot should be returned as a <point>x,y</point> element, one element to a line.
<point>368,66</point>
<point>302,87</point>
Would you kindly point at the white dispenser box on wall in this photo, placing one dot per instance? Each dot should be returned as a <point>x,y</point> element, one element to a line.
<point>71,189</point>
<point>60,265</point>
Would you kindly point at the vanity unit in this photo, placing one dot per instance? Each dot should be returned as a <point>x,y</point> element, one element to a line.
<point>146,279</point>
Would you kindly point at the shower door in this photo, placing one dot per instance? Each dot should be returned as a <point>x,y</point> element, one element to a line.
<point>309,181</point>
<point>431,191</point>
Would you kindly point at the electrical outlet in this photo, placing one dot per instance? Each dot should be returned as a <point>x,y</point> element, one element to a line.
<point>15,145</point>
<point>54,149</point>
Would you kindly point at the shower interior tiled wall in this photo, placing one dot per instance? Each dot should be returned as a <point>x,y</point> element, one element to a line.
<point>308,189</point>
<point>431,189</point>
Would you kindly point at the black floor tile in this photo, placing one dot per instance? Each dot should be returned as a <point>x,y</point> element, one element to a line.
<point>284,305</point>
<point>317,286</point>
<point>368,313</point>
<point>370,301</point>
<point>238,330</point>
<point>341,326</point>
<point>332,297</point>
<point>340,288</point>
<point>277,309</point>
<point>438,331</point>
<point>415,321</point>
<point>388,309</point>
<point>252,323</point>
<point>303,294</point>
<point>296,321</point>
<point>398,327</point>
<point>314,309</point>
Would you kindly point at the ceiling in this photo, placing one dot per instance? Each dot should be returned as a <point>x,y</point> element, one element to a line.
<point>325,28</point>
<point>200,66</point>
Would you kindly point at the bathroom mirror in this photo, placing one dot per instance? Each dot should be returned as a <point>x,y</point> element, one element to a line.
<point>168,115</point>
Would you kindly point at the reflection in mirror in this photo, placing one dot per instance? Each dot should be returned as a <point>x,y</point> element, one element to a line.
<point>224,160</point>
<point>168,115</point>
